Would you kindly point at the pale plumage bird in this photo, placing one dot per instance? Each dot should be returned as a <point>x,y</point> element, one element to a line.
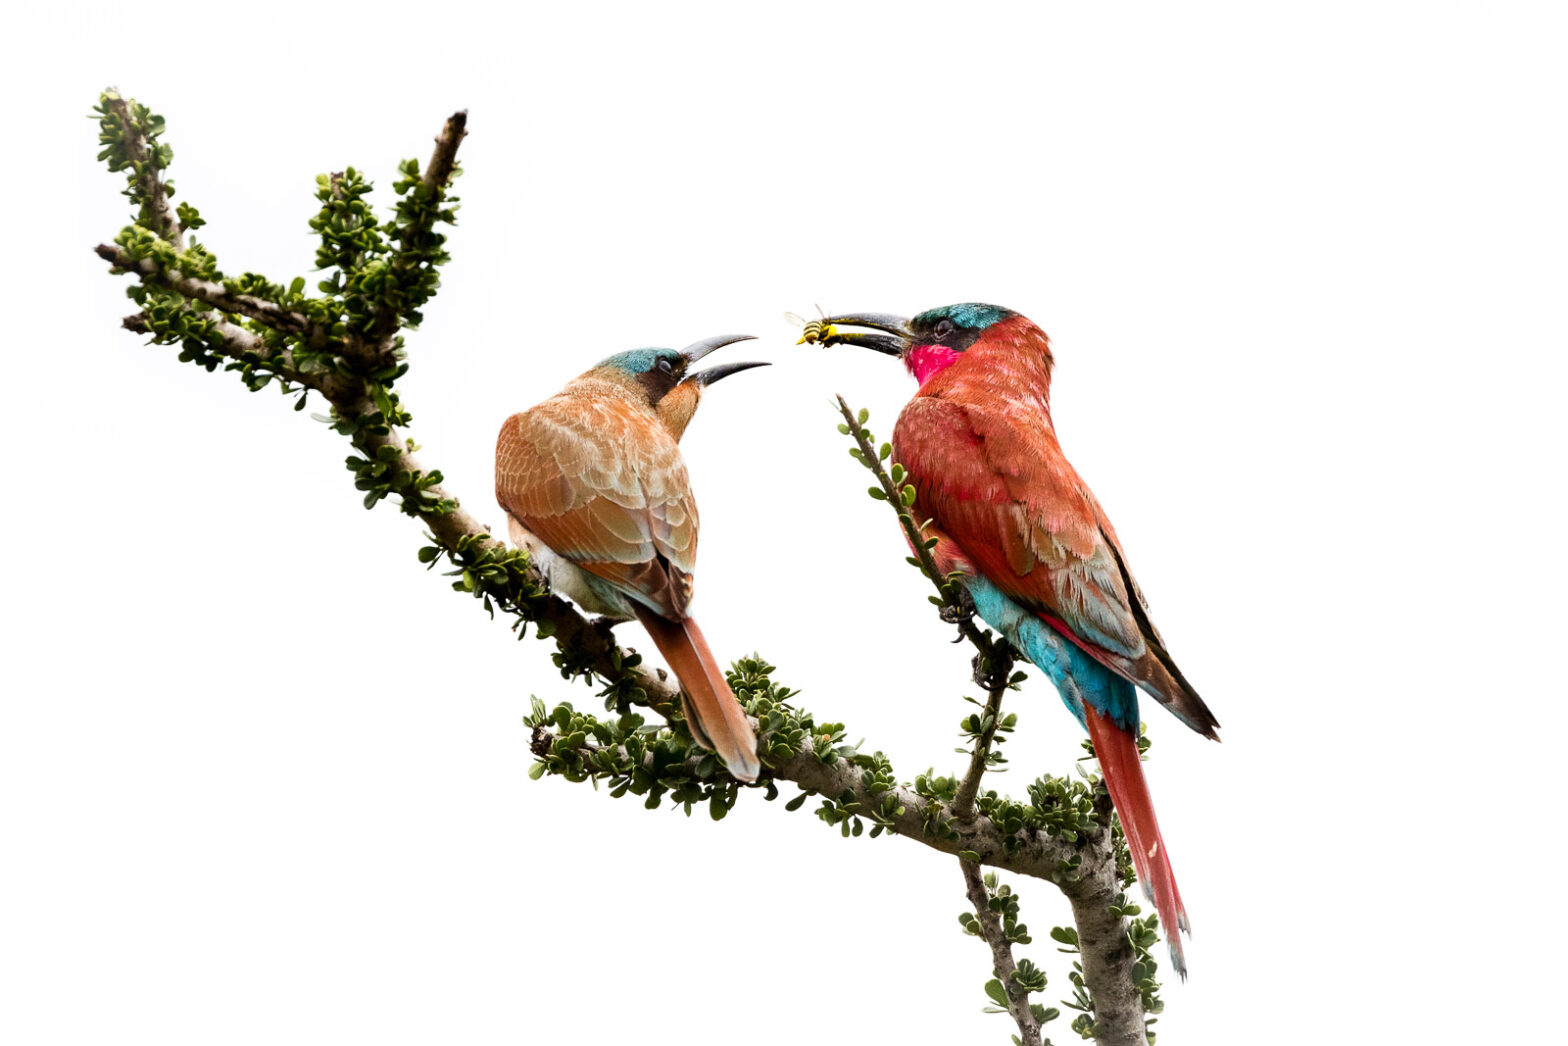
<point>595,489</point>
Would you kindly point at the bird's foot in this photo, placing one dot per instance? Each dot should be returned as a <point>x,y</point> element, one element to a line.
<point>993,670</point>
<point>602,625</point>
<point>961,608</point>
<point>960,611</point>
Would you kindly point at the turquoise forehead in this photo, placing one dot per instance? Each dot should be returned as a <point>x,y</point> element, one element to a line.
<point>971,314</point>
<point>639,361</point>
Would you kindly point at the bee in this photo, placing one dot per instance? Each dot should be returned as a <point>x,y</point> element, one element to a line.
<point>812,332</point>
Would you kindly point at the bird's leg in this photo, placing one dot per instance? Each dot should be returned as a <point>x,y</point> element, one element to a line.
<point>961,608</point>
<point>602,625</point>
<point>994,668</point>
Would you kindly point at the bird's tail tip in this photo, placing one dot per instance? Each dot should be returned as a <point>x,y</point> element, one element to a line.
<point>744,768</point>
<point>715,718</point>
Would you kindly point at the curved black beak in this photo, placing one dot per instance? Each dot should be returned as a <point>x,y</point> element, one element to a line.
<point>893,342</point>
<point>697,350</point>
<point>713,374</point>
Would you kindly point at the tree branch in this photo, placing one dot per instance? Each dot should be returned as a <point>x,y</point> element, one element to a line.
<point>1032,853</point>
<point>1001,955</point>
<point>1056,836</point>
<point>1107,957</point>
<point>992,674</point>
<point>438,172</point>
<point>267,313</point>
<point>147,164</point>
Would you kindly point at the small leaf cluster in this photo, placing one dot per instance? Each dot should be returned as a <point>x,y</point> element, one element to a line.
<point>420,250</point>
<point>989,729</point>
<point>490,572</point>
<point>692,775</point>
<point>1060,807</point>
<point>386,472</point>
<point>631,757</point>
<point>1144,936</point>
<point>1026,976</point>
<point>1001,900</point>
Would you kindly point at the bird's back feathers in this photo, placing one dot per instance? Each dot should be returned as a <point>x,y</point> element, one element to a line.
<point>989,472</point>
<point>603,485</point>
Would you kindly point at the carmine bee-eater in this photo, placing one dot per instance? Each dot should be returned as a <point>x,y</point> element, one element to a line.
<point>1036,552</point>
<point>594,488</point>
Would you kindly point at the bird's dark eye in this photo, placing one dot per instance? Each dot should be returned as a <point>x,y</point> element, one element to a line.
<point>666,366</point>
<point>943,328</point>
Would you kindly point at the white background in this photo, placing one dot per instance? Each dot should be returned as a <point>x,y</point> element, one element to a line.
<point>263,779</point>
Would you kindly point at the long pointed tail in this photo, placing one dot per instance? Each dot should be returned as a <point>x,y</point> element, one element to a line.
<point>715,717</point>
<point>1117,751</point>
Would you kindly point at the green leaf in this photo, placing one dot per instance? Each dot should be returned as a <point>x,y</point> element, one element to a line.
<point>998,994</point>
<point>877,493</point>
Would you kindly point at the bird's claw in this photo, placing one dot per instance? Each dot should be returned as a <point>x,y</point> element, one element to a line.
<point>960,609</point>
<point>992,671</point>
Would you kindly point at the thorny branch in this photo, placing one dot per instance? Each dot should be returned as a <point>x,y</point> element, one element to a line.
<point>1091,886</point>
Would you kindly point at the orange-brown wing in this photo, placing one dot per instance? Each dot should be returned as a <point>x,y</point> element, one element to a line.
<point>605,487</point>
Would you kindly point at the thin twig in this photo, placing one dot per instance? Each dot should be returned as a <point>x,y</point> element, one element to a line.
<point>913,531</point>
<point>996,666</point>
<point>267,313</point>
<point>1001,954</point>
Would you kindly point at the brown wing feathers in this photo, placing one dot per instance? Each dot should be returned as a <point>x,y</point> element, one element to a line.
<point>605,488</point>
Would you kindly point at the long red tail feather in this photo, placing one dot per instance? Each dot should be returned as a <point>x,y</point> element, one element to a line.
<point>1117,752</point>
<point>717,721</point>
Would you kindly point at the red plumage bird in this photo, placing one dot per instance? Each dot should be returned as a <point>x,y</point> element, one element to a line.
<point>1038,555</point>
<point>594,487</point>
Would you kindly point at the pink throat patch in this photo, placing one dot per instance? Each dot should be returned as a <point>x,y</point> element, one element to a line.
<point>924,361</point>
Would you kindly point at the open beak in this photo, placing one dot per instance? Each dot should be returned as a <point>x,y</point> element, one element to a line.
<point>893,342</point>
<point>697,350</point>
<point>713,374</point>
